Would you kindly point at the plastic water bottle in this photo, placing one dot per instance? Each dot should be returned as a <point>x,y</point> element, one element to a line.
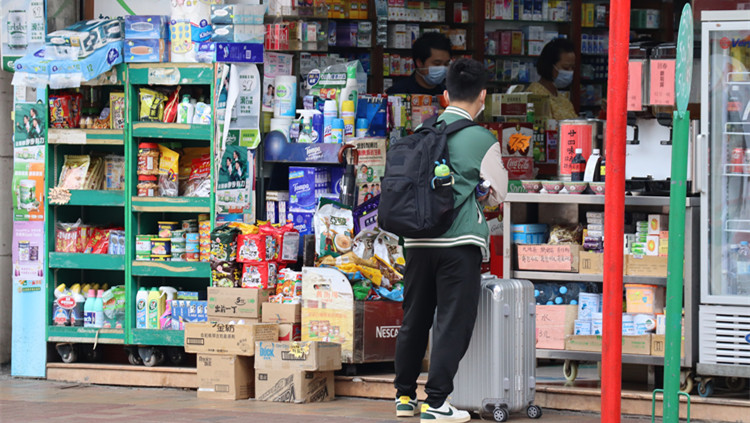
<point>89,317</point>
<point>544,293</point>
<point>743,269</point>
<point>482,188</point>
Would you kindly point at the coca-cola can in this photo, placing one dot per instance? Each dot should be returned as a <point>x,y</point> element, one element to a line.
<point>738,160</point>
<point>746,162</point>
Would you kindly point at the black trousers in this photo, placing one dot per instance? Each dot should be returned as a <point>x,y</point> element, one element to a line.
<point>447,279</point>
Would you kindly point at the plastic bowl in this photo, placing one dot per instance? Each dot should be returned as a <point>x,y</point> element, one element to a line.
<point>532,186</point>
<point>575,187</point>
<point>552,187</point>
<point>597,187</point>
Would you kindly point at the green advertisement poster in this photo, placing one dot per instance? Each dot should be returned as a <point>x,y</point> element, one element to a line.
<point>29,127</point>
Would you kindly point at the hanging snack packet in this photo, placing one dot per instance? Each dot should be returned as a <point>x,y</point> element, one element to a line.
<point>251,248</point>
<point>66,237</point>
<point>60,114</point>
<point>255,275</point>
<point>224,244</point>
<point>116,110</point>
<point>151,105</point>
<point>334,227</point>
<point>273,274</point>
<point>289,243</point>
<point>170,108</point>
<point>225,274</point>
<point>73,173</point>
<point>273,238</point>
<point>364,243</point>
<point>114,172</point>
<point>199,183</point>
<point>168,168</point>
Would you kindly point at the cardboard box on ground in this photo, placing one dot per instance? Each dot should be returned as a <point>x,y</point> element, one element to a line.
<point>281,313</point>
<point>236,302</point>
<point>296,372</point>
<point>229,377</point>
<point>223,338</point>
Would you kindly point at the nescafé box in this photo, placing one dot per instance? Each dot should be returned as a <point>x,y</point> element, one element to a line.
<point>222,338</point>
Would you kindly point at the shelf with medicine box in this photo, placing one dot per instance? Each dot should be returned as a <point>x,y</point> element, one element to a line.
<point>84,204</point>
<point>579,267</point>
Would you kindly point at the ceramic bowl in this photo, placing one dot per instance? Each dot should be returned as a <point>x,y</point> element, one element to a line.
<point>552,187</point>
<point>575,187</point>
<point>532,186</point>
<point>597,187</point>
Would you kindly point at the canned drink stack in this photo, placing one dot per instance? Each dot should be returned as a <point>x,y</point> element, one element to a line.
<point>738,160</point>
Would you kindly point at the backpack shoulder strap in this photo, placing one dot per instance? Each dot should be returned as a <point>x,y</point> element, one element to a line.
<point>459,125</point>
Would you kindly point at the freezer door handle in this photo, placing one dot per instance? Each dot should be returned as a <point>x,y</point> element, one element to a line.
<point>701,164</point>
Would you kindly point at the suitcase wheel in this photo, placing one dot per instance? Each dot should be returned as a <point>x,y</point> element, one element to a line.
<point>500,414</point>
<point>534,412</point>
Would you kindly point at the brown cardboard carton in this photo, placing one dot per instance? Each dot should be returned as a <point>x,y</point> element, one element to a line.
<point>553,323</point>
<point>229,377</point>
<point>294,386</point>
<point>222,338</point>
<point>659,346</point>
<point>639,344</point>
<point>236,302</point>
<point>281,313</point>
<point>308,355</point>
<point>655,266</point>
<point>290,332</point>
<point>234,320</point>
<point>591,263</point>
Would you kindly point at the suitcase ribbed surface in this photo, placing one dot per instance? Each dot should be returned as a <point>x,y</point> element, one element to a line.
<point>500,365</point>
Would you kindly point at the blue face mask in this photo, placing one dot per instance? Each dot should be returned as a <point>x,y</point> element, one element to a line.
<point>435,75</point>
<point>564,78</point>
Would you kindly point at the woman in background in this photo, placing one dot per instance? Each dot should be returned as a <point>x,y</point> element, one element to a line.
<point>555,68</point>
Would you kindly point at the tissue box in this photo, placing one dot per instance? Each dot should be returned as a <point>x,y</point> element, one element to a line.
<point>302,188</point>
<point>140,27</point>
<point>88,36</point>
<point>238,33</point>
<point>100,61</point>
<point>146,51</point>
<point>227,14</point>
<point>239,52</point>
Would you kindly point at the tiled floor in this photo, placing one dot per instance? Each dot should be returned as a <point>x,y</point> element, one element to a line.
<point>26,400</point>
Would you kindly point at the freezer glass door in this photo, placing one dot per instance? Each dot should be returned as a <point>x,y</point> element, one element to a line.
<point>728,81</point>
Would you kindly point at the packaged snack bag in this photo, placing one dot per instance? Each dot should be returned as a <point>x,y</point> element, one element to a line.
<point>255,275</point>
<point>151,105</point>
<point>168,169</point>
<point>334,228</point>
<point>251,248</point>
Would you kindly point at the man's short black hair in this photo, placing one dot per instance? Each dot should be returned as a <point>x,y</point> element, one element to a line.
<point>466,79</point>
<point>422,48</point>
<point>551,55</point>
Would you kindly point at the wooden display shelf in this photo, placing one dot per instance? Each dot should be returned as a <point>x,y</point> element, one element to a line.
<point>181,131</point>
<point>124,375</point>
<point>76,334</point>
<point>167,338</point>
<point>174,269</point>
<point>85,136</point>
<point>171,73</point>
<point>86,261</point>
<point>171,204</point>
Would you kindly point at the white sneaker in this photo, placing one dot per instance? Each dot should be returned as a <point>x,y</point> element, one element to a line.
<point>405,406</point>
<point>445,413</point>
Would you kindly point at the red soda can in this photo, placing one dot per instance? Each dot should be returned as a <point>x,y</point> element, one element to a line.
<point>738,160</point>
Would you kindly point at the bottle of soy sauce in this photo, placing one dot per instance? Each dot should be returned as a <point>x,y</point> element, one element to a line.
<point>578,166</point>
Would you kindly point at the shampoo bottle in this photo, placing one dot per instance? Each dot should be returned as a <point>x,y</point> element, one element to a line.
<point>185,110</point>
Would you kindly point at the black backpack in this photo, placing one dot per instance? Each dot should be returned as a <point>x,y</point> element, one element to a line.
<point>414,203</point>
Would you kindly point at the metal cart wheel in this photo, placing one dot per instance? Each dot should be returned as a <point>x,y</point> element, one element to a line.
<point>134,358</point>
<point>176,355</point>
<point>151,356</point>
<point>534,412</point>
<point>91,354</point>
<point>687,381</point>
<point>500,414</point>
<point>735,384</point>
<point>706,387</point>
<point>68,352</point>
<point>570,370</point>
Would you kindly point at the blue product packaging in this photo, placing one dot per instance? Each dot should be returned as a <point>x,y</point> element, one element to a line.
<point>140,27</point>
<point>337,174</point>
<point>87,68</point>
<point>206,52</point>
<point>187,295</point>
<point>88,36</point>
<point>302,222</point>
<point>239,52</point>
<point>302,189</point>
<point>238,34</point>
<point>317,124</point>
<point>146,51</point>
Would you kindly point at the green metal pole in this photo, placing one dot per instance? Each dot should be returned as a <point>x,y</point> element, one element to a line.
<point>675,266</point>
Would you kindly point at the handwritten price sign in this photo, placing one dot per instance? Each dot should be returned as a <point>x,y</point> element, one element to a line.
<point>545,257</point>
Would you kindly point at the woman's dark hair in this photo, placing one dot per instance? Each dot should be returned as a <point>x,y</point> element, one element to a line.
<point>422,48</point>
<point>551,55</point>
<point>466,79</point>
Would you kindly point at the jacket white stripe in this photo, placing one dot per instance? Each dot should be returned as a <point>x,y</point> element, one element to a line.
<point>459,238</point>
<point>458,111</point>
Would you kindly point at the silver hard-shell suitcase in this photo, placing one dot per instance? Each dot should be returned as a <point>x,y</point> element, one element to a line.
<point>497,374</point>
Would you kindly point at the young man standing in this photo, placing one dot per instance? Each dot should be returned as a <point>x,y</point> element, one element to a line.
<point>444,273</point>
<point>432,54</point>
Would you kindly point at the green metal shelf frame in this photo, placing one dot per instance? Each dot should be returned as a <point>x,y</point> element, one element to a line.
<point>60,138</point>
<point>164,74</point>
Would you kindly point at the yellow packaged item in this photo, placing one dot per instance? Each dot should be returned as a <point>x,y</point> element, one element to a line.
<point>151,105</point>
<point>168,169</point>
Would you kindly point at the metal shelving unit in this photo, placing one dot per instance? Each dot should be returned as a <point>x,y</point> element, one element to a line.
<point>569,206</point>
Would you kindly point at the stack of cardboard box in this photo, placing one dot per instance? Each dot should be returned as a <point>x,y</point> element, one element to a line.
<point>296,372</point>
<point>225,347</point>
<point>287,316</point>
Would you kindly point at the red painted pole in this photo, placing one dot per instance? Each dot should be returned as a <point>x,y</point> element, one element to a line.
<point>614,209</point>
